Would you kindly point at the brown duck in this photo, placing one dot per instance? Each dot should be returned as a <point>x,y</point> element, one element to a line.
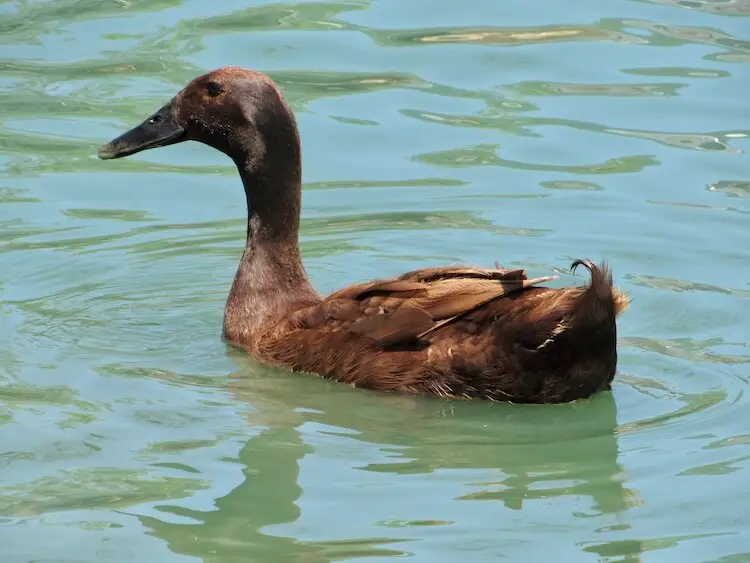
<point>457,332</point>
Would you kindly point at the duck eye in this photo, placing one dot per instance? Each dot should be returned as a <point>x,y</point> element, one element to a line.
<point>213,89</point>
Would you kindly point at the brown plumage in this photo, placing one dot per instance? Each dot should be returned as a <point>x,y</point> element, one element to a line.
<point>457,332</point>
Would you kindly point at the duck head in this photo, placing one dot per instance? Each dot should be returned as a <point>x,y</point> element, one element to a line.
<point>234,110</point>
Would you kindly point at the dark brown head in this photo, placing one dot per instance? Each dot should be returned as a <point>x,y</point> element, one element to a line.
<point>237,111</point>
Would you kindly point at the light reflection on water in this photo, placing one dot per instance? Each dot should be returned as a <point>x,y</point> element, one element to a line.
<point>431,134</point>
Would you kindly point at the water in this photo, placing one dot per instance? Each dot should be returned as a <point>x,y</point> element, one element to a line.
<point>433,132</point>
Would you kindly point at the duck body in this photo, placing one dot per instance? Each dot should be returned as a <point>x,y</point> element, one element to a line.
<point>454,332</point>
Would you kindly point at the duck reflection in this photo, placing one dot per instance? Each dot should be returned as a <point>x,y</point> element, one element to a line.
<point>530,453</point>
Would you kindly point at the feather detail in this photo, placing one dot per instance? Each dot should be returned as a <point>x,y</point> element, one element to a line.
<point>505,291</point>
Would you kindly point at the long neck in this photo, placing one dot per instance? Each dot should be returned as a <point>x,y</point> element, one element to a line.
<point>270,281</point>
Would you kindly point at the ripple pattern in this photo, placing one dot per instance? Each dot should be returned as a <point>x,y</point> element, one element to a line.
<point>528,133</point>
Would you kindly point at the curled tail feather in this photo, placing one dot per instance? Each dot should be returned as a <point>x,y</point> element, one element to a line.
<point>578,341</point>
<point>600,293</point>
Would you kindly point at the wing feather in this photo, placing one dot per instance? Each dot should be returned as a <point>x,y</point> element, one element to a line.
<point>417,304</point>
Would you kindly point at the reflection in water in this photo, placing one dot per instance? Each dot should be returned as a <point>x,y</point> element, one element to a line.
<point>721,7</point>
<point>682,72</point>
<point>307,16</point>
<point>691,349</point>
<point>570,185</point>
<point>672,284</point>
<point>618,131</point>
<point>704,207</point>
<point>36,19</point>
<point>694,141</point>
<point>501,447</point>
<point>731,188</point>
<point>571,89</point>
<point>266,496</point>
<point>486,155</point>
<point>502,36</point>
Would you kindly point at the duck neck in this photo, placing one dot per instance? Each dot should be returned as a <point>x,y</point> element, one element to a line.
<point>270,281</point>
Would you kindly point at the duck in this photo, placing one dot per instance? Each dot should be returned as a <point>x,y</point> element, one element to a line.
<point>455,332</point>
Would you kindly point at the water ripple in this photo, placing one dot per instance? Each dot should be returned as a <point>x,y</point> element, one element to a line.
<point>431,133</point>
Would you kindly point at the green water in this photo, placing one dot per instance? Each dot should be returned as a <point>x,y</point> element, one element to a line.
<point>433,132</point>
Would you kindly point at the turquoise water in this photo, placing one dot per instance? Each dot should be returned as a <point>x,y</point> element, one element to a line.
<point>433,132</point>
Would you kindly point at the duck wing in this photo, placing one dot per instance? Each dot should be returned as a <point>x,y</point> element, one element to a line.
<point>409,308</point>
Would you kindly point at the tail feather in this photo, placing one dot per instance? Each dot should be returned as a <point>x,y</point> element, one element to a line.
<point>600,297</point>
<point>576,315</point>
<point>580,338</point>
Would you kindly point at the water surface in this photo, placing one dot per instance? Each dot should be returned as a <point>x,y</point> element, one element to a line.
<point>433,132</point>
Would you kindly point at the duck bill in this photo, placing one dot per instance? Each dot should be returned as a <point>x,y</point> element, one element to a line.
<point>159,130</point>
